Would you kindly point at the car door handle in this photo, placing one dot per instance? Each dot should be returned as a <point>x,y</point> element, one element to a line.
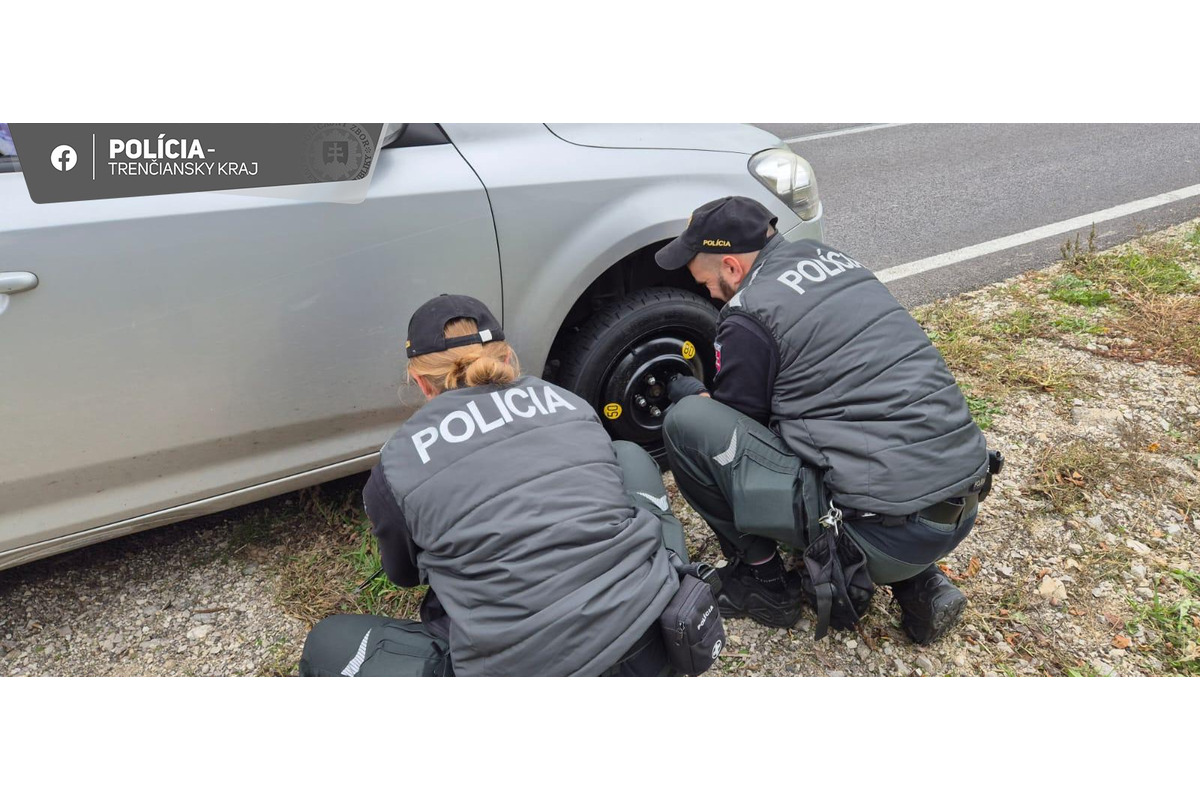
<point>13,282</point>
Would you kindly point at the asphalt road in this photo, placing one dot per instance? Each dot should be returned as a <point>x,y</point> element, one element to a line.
<point>899,194</point>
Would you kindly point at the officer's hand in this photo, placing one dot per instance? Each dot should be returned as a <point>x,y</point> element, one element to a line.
<point>682,386</point>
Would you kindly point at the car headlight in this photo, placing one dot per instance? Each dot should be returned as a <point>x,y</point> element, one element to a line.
<point>790,178</point>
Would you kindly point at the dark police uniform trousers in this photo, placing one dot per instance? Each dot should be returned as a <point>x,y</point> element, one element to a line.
<point>359,645</point>
<point>744,481</point>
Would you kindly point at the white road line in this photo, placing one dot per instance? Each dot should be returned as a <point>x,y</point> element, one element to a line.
<point>843,131</point>
<point>1044,232</point>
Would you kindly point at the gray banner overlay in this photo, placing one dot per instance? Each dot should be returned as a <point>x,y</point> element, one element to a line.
<point>63,163</point>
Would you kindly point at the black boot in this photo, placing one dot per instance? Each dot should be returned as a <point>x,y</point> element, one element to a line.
<point>929,604</point>
<point>766,593</point>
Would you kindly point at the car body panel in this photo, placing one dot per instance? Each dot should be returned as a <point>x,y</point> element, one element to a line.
<point>744,139</point>
<point>186,346</point>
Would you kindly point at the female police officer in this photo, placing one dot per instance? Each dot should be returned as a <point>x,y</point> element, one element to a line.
<point>541,540</point>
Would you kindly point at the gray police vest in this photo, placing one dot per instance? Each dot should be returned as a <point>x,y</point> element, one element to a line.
<point>525,532</point>
<point>861,391</point>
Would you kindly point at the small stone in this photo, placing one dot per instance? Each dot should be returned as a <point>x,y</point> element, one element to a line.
<point>901,667</point>
<point>1173,529</point>
<point>925,664</point>
<point>1146,592</point>
<point>1139,571</point>
<point>152,644</point>
<point>837,673</point>
<point>1101,667</point>
<point>853,643</point>
<point>960,659</point>
<point>1071,564</point>
<point>1075,548</point>
<point>1096,523</point>
<point>199,632</point>
<point>1136,546</point>
<point>1053,589</point>
<point>1095,417</point>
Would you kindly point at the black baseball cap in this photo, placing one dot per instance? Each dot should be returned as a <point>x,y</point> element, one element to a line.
<point>728,225</point>
<point>427,328</point>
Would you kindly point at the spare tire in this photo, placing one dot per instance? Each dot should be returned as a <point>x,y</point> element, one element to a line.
<point>624,354</point>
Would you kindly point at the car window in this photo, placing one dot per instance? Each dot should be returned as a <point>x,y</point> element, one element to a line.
<point>8,152</point>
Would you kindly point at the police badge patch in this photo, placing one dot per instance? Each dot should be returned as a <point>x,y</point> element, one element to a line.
<point>717,348</point>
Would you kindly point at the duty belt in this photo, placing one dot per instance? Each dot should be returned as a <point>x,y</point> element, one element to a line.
<point>947,512</point>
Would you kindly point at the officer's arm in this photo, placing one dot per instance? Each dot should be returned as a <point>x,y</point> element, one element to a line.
<point>748,361</point>
<point>396,549</point>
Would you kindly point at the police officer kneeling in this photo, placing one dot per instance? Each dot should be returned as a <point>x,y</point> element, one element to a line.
<point>822,378</point>
<point>541,540</point>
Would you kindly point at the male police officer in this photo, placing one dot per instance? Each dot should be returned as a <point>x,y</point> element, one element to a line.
<point>817,364</point>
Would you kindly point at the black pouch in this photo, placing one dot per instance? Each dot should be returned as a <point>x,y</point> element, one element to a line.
<point>836,578</point>
<point>692,630</point>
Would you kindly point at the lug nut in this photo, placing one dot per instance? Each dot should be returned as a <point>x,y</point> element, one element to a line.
<point>655,411</point>
<point>641,401</point>
<point>650,380</point>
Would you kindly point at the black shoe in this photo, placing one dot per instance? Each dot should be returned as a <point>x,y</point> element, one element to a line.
<point>930,604</point>
<point>776,603</point>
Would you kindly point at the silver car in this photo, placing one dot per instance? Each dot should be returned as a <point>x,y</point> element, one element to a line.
<point>167,357</point>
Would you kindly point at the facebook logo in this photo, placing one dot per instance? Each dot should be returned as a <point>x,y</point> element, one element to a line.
<point>63,158</point>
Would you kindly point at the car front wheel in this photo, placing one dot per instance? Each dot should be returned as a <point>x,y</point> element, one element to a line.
<point>622,358</point>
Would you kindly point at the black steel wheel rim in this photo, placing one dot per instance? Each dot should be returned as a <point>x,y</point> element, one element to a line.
<point>633,391</point>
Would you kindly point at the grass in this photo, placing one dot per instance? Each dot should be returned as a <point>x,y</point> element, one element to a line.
<point>1071,324</point>
<point>1176,623</point>
<point>1075,291</point>
<point>983,409</point>
<point>321,574</point>
<point>1151,293</point>
<point>1064,471</point>
<point>281,661</point>
<point>991,356</point>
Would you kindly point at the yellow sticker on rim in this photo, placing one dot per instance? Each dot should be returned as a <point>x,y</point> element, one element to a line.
<point>612,410</point>
<point>689,350</point>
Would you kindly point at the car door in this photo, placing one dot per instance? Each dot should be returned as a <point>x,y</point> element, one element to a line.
<point>185,347</point>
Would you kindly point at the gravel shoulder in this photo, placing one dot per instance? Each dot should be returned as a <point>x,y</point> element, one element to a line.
<point>1085,560</point>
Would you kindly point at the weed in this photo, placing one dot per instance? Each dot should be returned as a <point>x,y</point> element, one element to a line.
<point>1068,324</point>
<point>1083,671</point>
<point>1020,325</point>
<point>1152,273</point>
<point>1194,236</point>
<point>983,409</point>
<point>1075,291</point>
<point>1062,472</point>
<point>1164,328</point>
<point>1074,255</point>
<point>281,660</point>
<point>1178,627</point>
